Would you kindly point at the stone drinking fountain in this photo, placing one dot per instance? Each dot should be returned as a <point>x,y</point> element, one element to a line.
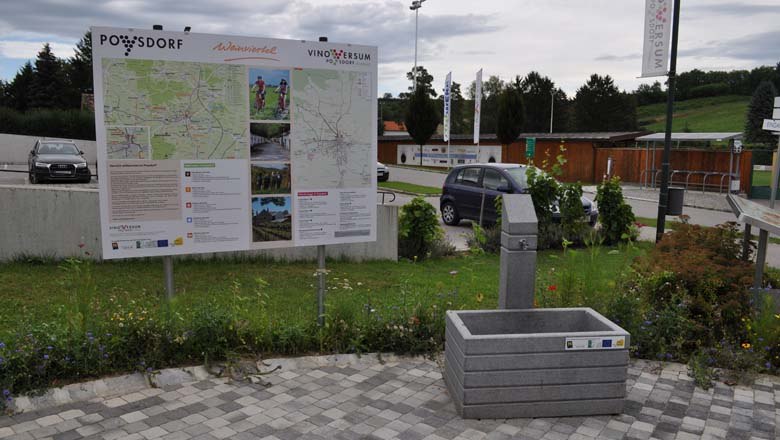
<point>524,362</point>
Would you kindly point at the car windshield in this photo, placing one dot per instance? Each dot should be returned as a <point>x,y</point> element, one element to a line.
<point>519,176</point>
<point>58,148</point>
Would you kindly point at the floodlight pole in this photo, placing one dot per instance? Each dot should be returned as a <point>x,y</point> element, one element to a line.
<point>664,196</point>
<point>416,5</point>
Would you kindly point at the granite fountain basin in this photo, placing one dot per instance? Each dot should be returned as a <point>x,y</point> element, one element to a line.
<point>535,363</point>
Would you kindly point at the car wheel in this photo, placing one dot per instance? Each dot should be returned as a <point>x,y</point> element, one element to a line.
<point>384,178</point>
<point>450,214</point>
<point>33,178</point>
<point>87,180</point>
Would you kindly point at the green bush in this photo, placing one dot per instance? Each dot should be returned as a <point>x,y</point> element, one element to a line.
<point>615,214</point>
<point>573,221</point>
<point>418,229</point>
<point>689,296</point>
<point>545,191</point>
<point>70,124</point>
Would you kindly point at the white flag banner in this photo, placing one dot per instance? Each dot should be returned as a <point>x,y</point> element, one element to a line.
<point>477,105</point>
<point>446,122</point>
<point>658,26</point>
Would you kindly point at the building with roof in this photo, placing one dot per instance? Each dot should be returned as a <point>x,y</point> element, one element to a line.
<point>706,157</point>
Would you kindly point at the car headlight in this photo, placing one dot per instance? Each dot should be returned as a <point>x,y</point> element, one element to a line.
<point>81,165</point>
<point>41,164</point>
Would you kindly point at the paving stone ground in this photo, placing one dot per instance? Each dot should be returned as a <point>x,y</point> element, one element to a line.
<point>400,399</point>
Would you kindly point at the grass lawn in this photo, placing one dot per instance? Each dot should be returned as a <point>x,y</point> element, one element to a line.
<point>762,178</point>
<point>40,293</point>
<point>719,113</point>
<point>410,187</point>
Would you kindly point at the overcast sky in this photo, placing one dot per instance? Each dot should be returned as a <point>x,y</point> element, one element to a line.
<point>566,40</point>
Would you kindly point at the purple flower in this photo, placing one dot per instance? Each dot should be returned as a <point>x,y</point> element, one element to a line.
<point>1,360</point>
<point>105,356</point>
<point>768,365</point>
<point>50,347</point>
<point>2,344</point>
<point>648,322</point>
<point>668,355</point>
<point>46,356</point>
<point>6,393</point>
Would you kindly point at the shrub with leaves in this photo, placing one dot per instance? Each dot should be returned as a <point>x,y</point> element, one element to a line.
<point>572,213</point>
<point>544,190</point>
<point>418,229</point>
<point>695,290</point>
<point>615,214</point>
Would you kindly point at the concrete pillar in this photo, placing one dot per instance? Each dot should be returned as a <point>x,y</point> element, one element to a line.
<point>518,252</point>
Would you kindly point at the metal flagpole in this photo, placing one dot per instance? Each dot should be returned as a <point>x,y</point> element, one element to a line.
<point>664,197</point>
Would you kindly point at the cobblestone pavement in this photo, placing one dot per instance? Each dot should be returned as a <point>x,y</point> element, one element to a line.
<point>401,398</point>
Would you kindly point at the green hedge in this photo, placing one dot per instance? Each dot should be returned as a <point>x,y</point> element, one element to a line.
<point>70,124</point>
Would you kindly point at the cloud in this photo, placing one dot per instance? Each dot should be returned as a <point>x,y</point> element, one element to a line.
<point>759,48</point>
<point>629,57</point>
<point>735,9</point>
<point>24,50</point>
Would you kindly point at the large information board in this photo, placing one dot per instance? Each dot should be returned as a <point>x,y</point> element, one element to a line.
<point>210,143</point>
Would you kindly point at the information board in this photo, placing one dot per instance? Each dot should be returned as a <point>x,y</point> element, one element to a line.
<point>211,143</point>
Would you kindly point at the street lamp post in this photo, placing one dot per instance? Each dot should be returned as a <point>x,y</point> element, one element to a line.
<point>416,5</point>
<point>552,105</point>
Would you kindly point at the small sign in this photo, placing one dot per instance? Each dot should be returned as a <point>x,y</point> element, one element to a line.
<point>737,146</point>
<point>776,111</point>
<point>530,147</point>
<point>596,343</point>
<point>771,124</point>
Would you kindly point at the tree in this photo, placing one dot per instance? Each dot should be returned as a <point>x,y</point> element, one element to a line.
<point>510,117</point>
<point>18,91</point>
<point>48,83</point>
<point>600,106</point>
<point>424,79</point>
<point>538,93</point>
<point>491,89</point>
<point>650,94</point>
<point>760,108</point>
<point>79,71</point>
<point>422,117</point>
<point>459,120</point>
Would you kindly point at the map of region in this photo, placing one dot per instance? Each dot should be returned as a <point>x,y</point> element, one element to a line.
<point>192,110</point>
<point>331,135</point>
<point>128,142</point>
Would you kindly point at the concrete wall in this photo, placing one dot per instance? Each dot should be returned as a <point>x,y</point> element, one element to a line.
<point>52,222</point>
<point>15,148</point>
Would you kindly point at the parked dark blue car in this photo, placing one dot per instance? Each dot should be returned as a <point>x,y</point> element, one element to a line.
<point>462,194</point>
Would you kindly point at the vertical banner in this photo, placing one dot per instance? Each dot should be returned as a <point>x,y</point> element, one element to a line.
<point>658,26</point>
<point>446,122</point>
<point>477,105</point>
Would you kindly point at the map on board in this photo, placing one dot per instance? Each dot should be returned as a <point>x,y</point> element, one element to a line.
<point>191,110</point>
<point>331,143</point>
<point>126,142</point>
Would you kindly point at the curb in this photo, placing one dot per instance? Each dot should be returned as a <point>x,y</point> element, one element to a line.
<point>408,193</point>
<point>150,385</point>
<point>413,168</point>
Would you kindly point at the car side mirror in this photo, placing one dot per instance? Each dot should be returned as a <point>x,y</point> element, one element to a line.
<point>504,189</point>
<point>81,152</point>
<point>32,151</point>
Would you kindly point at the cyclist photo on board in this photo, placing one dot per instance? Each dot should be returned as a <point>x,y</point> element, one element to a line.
<point>269,94</point>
